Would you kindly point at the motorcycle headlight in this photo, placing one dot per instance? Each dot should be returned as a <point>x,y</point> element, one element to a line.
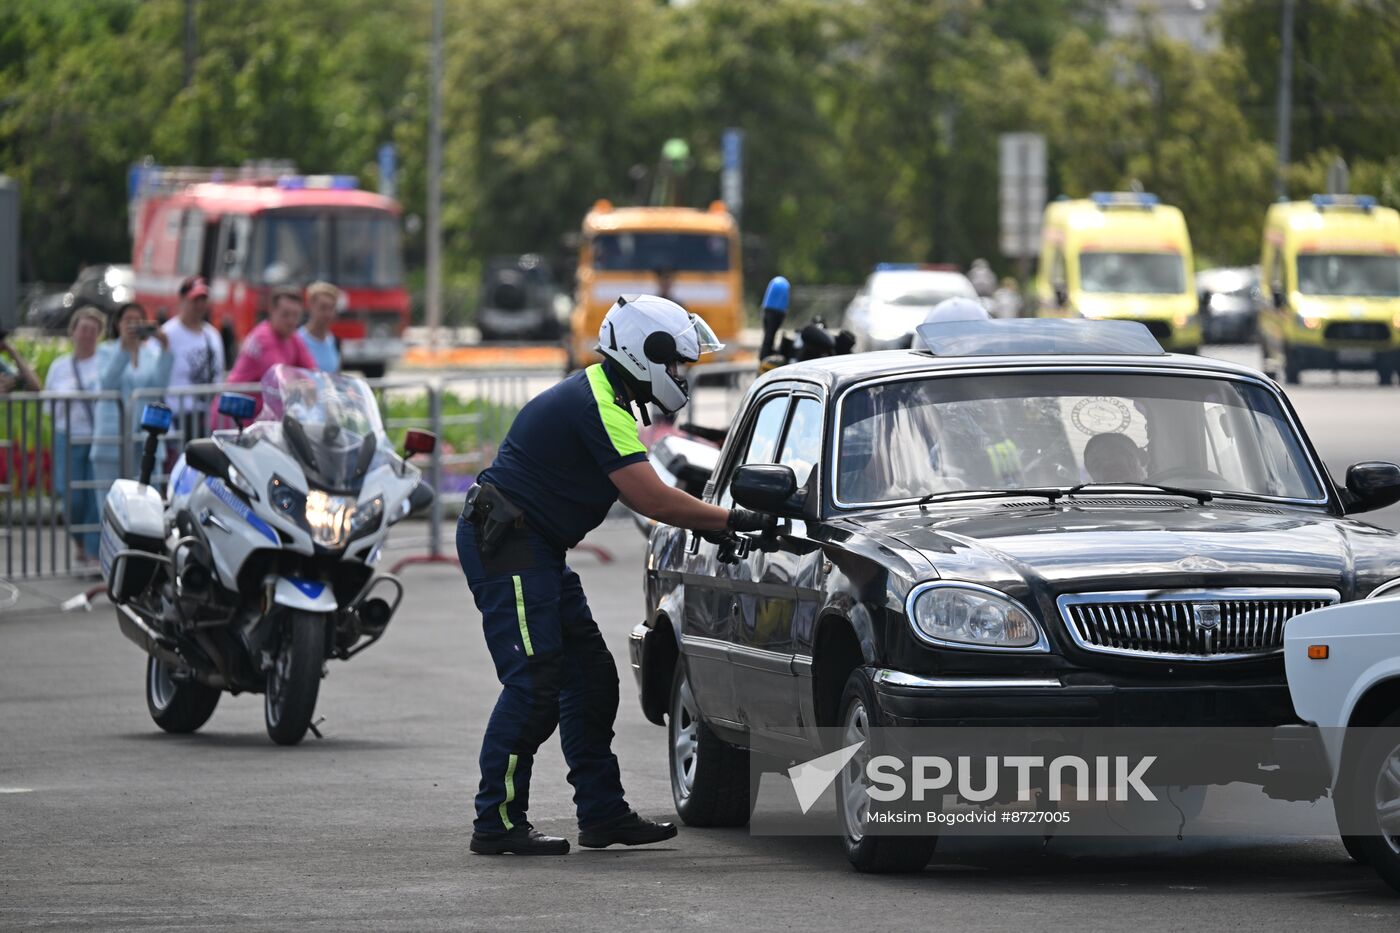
<point>285,498</point>
<point>965,615</point>
<point>366,517</point>
<point>330,518</point>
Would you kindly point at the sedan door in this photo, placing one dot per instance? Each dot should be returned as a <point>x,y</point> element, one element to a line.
<point>772,619</point>
<point>712,585</point>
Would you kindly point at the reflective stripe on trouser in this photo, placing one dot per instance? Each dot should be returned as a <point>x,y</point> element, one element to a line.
<point>554,669</point>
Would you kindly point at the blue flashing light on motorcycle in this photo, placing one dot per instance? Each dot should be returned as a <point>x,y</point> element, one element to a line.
<point>156,418</point>
<point>239,408</point>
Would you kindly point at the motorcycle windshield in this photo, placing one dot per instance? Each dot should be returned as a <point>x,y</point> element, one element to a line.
<point>329,422</point>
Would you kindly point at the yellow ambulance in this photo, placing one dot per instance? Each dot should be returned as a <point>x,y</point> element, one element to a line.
<point>1329,276</point>
<point>1122,255</point>
<point>688,255</point>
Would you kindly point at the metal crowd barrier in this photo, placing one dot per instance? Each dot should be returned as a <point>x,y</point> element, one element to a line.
<point>469,412</point>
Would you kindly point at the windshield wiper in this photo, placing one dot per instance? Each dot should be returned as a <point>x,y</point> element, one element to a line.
<point>1200,495</point>
<point>1049,492</point>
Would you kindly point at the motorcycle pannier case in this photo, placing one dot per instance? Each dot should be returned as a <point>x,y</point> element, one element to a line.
<point>133,519</point>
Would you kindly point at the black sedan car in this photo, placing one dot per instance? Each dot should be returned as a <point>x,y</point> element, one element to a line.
<point>1022,525</point>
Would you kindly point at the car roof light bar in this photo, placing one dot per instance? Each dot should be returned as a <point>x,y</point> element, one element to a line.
<point>1138,199</point>
<point>1356,202</point>
<point>1039,337</point>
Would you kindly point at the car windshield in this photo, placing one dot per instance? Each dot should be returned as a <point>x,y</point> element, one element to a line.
<point>906,440</point>
<point>661,252</point>
<point>1132,273</point>
<point>353,248</point>
<point>1352,274</point>
<point>328,421</point>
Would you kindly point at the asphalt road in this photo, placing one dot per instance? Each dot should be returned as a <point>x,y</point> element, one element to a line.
<point>108,824</point>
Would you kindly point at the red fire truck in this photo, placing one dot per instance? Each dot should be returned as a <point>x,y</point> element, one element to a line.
<point>250,230</point>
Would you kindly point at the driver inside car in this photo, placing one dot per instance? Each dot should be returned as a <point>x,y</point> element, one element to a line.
<point>1114,458</point>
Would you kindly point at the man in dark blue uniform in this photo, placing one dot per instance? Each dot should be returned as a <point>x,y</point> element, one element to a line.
<point>569,455</point>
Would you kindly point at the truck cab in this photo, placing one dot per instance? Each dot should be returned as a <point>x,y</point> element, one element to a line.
<point>687,255</point>
<point>248,232</point>
<point>1330,287</point>
<point>1121,255</point>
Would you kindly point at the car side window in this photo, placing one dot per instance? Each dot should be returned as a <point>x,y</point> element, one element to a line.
<point>802,446</point>
<point>762,442</point>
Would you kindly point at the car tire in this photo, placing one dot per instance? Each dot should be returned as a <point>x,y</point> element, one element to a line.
<point>709,777</point>
<point>178,707</point>
<point>860,710</point>
<point>1373,781</point>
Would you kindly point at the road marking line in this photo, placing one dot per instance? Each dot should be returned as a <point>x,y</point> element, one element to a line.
<point>16,790</point>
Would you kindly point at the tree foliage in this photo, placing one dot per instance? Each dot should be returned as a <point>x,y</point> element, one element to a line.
<point>870,125</point>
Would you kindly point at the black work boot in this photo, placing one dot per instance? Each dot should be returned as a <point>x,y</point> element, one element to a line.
<point>628,830</point>
<point>522,839</point>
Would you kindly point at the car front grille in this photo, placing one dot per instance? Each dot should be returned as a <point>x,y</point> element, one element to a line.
<point>1200,625</point>
<point>1357,330</point>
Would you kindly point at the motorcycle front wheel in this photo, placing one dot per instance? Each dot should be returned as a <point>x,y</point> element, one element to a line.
<point>178,706</point>
<point>294,679</point>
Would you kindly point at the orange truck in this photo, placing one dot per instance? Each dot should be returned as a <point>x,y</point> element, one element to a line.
<point>688,255</point>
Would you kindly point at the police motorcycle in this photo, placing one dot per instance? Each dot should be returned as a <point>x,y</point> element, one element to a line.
<point>685,455</point>
<point>260,565</point>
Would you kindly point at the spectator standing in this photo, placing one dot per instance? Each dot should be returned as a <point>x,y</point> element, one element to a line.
<point>322,301</point>
<point>198,353</point>
<point>131,360</point>
<point>78,371</point>
<point>17,378</point>
<point>273,341</point>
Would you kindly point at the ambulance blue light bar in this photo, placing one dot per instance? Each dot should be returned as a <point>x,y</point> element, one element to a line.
<point>317,182</point>
<point>915,267</point>
<point>1039,337</point>
<point>1363,202</point>
<point>1124,199</point>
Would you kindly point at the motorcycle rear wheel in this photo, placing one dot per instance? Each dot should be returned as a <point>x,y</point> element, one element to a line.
<point>177,706</point>
<point>294,680</point>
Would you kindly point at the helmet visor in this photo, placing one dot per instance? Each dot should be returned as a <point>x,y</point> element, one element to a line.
<point>704,336</point>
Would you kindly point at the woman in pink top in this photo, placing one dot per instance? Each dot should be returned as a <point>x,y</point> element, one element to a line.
<point>273,341</point>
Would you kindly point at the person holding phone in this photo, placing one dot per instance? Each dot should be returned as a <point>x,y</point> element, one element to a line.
<point>137,357</point>
<point>19,377</point>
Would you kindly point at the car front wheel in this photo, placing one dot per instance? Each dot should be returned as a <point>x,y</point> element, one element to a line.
<point>860,711</point>
<point>709,777</point>
<point>1373,789</point>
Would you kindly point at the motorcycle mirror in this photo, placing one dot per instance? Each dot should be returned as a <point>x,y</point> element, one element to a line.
<point>156,419</point>
<point>419,442</point>
<point>240,408</point>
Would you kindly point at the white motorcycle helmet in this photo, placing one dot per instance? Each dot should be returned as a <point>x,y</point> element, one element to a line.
<point>952,309</point>
<point>648,338</point>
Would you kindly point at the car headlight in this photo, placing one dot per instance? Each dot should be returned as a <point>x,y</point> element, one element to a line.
<point>966,615</point>
<point>334,521</point>
<point>1308,321</point>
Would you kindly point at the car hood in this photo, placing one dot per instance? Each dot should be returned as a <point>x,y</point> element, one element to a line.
<point>1085,547</point>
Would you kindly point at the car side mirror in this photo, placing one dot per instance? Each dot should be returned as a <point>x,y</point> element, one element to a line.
<point>1279,299</point>
<point>1373,484</point>
<point>770,488</point>
<point>1061,296</point>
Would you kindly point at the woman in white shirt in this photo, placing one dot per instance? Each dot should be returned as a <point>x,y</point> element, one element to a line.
<point>78,371</point>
